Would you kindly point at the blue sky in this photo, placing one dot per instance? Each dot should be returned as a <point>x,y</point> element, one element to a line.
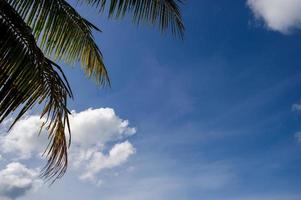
<point>214,117</point>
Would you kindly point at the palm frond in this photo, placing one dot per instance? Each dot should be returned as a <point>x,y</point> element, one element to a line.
<point>27,77</point>
<point>63,34</point>
<point>164,13</point>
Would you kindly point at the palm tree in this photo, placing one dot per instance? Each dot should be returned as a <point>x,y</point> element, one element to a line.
<point>35,33</point>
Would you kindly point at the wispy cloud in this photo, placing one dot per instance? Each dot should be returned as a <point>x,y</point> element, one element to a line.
<point>296,107</point>
<point>214,176</point>
<point>268,197</point>
<point>298,136</point>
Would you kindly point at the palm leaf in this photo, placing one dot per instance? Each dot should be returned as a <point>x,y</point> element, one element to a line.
<point>27,77</point>
<point>63,34</point>
<point>164,13</point>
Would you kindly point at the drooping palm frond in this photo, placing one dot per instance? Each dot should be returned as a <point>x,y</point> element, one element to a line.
<point>27,77</point>
<point>164,13</point>
<point>63,34</point>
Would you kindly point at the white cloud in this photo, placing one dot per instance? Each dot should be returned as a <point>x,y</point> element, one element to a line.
<point>23,139</point>
<point>16,180</point>
<point>98,161</point>
<point>92,130</point>
<point>92,127</point>
<point>98,126</point>
<point>278,15</point>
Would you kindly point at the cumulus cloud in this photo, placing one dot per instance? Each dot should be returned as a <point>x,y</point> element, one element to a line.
<point>98,126</point>
<point>89,128</point>
<point>23,140</point>
<point>16,180</point>
<point>92,131</point>
<point>98,161</point>
<point>278,15</point>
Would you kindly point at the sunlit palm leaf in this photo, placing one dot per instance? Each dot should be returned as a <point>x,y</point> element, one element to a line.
<point>27,78</point>
<point>63,34</point>
<point>165,13</point>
